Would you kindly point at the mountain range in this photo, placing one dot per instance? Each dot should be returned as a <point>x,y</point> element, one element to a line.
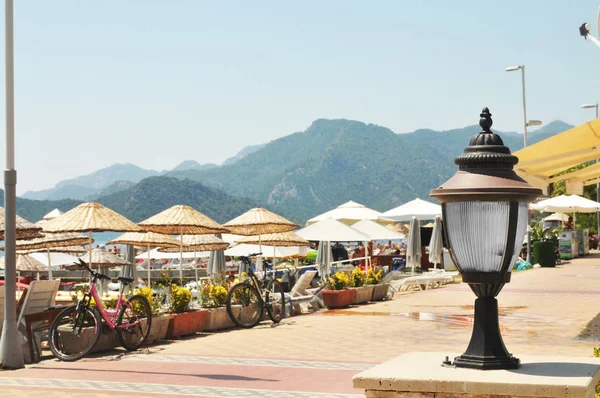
<point>299,175</point>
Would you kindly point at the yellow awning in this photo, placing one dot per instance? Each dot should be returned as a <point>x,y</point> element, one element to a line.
<point>540,164</point>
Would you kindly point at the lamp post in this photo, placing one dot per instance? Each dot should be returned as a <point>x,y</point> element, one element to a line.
<point>589,106</point>
<point>485,208</point>
<point>526,123</point>
<point>10,345</point>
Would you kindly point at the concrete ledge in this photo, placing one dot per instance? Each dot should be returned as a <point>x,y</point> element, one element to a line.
<point>420,374</point>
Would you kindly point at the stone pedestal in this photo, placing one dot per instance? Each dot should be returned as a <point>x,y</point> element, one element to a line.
<point>420,375</point>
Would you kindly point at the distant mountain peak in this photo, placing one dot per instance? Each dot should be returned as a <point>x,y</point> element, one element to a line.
<point>193,165</point>
<point>243,153</point>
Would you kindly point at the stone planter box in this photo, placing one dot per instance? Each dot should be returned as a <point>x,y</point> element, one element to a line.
<point>363,294</point>
<point>158,330</point>
<point>218,318</point>
<point>186,323</point>
<point>107,341</point>
<point>338,298</point>
<point>380,292</point>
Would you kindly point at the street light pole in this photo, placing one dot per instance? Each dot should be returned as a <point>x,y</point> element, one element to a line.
<point>10,344</point>
<point>588,106</point>
<point>525,124</point>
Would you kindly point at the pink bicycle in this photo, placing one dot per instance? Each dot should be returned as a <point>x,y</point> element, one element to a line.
<point>76,330</point>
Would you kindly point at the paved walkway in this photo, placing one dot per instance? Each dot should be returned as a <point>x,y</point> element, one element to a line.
<point>547,311</point>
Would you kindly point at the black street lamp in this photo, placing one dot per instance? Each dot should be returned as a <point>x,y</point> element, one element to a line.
<point>485,207</point>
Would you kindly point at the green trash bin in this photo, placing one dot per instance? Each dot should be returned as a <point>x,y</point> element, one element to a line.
<point>543,253</point>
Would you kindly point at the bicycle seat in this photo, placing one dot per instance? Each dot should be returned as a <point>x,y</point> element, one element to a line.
<point>125,280</point>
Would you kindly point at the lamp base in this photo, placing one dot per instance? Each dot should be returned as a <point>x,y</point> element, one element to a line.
<point>486,350</point>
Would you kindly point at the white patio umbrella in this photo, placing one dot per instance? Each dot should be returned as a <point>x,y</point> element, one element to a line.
<point>377,231</point>
<point>436,243</point>
<point>557,217</point>
<point>324,256</point>
<point>413,250</point>
<point>418,208</point>
<point>567,204</point>
<point>350,213</point>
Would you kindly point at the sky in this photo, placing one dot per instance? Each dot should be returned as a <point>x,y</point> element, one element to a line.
<point>157,82</point>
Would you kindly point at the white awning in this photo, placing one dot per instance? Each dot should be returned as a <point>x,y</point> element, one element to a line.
<point>243,249</point>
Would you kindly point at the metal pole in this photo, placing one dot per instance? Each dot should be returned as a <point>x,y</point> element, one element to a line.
<point>11,354</point>
<point>525,145</point>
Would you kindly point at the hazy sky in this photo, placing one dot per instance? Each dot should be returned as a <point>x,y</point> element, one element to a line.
<point>158,82</point>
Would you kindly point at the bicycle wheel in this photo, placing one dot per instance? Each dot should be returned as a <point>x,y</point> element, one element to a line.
<point>244,297</point>
<point>74,333</point>
<point>134,322</point>
<point>275,301</point>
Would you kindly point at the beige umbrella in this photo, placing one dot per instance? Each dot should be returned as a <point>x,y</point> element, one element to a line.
<point>90,217</point>
<point>101,258</point>
<point>145,238</point>
<point>286,239</point>
<point>182,220</point>
<point>259,221</point>
<point>25,263</point>
<point>50,241</point>
<point>198,243</point>
<point>25,229</point>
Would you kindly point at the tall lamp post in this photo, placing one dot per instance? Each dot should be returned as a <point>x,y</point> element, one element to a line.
<point>485,207</point>
<point>589,106</point>
<point>10,344</point>
<point>526,123</point>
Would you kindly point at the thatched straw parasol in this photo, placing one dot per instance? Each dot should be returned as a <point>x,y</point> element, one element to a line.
<point>146,239</point>
<point>286,239</point>
<point>25,263</point>
<point>182,220</point>
<point>25,229</point>
<point>198,243</point>
<point>259,221</point>
<point>90,217</point>
<point>101,258</point>
<point>51,241</point>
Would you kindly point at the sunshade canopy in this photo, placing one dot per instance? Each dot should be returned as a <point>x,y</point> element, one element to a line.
<point>145,239</point>
<point>57,249</point>
<point>349,213</point>
<point>182,219</point>
<point>197,243</point>
<point>259,221</point>
<point>418,208</point>
<point>52,240</point>
<point>567,204</point>
<point>26,263</point>
<point>104,259</point>
<point>267,251</point>
<point>547,161</point>
<point>53,214</point>
<point>280,239</point>
<point>25,229</point>
<point>90,217</point>
<point>557,217</point>
<point>56,259</point>
<point>376,231</point>
<point>155,254</point>
<point>331,230</point>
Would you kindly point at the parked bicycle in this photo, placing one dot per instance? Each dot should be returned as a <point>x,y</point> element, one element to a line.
<point>253,295</point>
<point>76,330</point>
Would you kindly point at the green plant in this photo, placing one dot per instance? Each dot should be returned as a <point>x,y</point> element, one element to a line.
<point>339,281</point>
<point>374,277</point>
<point>358,277</point>
<point>180,299</point>
<point>213,295</point>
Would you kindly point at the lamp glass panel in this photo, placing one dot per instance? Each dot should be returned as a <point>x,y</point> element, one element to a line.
<point>521,231</point>
<point>477,232</point>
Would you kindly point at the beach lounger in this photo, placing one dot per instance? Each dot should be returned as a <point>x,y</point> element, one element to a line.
<point>300,297</point>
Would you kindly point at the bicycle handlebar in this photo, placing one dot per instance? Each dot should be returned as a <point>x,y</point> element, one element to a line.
<point>94,273</point>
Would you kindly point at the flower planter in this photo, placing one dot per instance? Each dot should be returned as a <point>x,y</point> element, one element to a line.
<point>186,323</point>
<point>338,298</point>
<point>158,330</point>
<point>363,294</point>
<point>380,292</point>
<point>218,318</point>
<point>107,341</point>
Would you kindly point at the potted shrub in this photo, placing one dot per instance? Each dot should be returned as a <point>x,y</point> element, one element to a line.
<point>213,297</point>
<point>160,320</point>
<point>380,290</point>
<point>364,292</point>
<point>183,320</point>
<point>338,295</point>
